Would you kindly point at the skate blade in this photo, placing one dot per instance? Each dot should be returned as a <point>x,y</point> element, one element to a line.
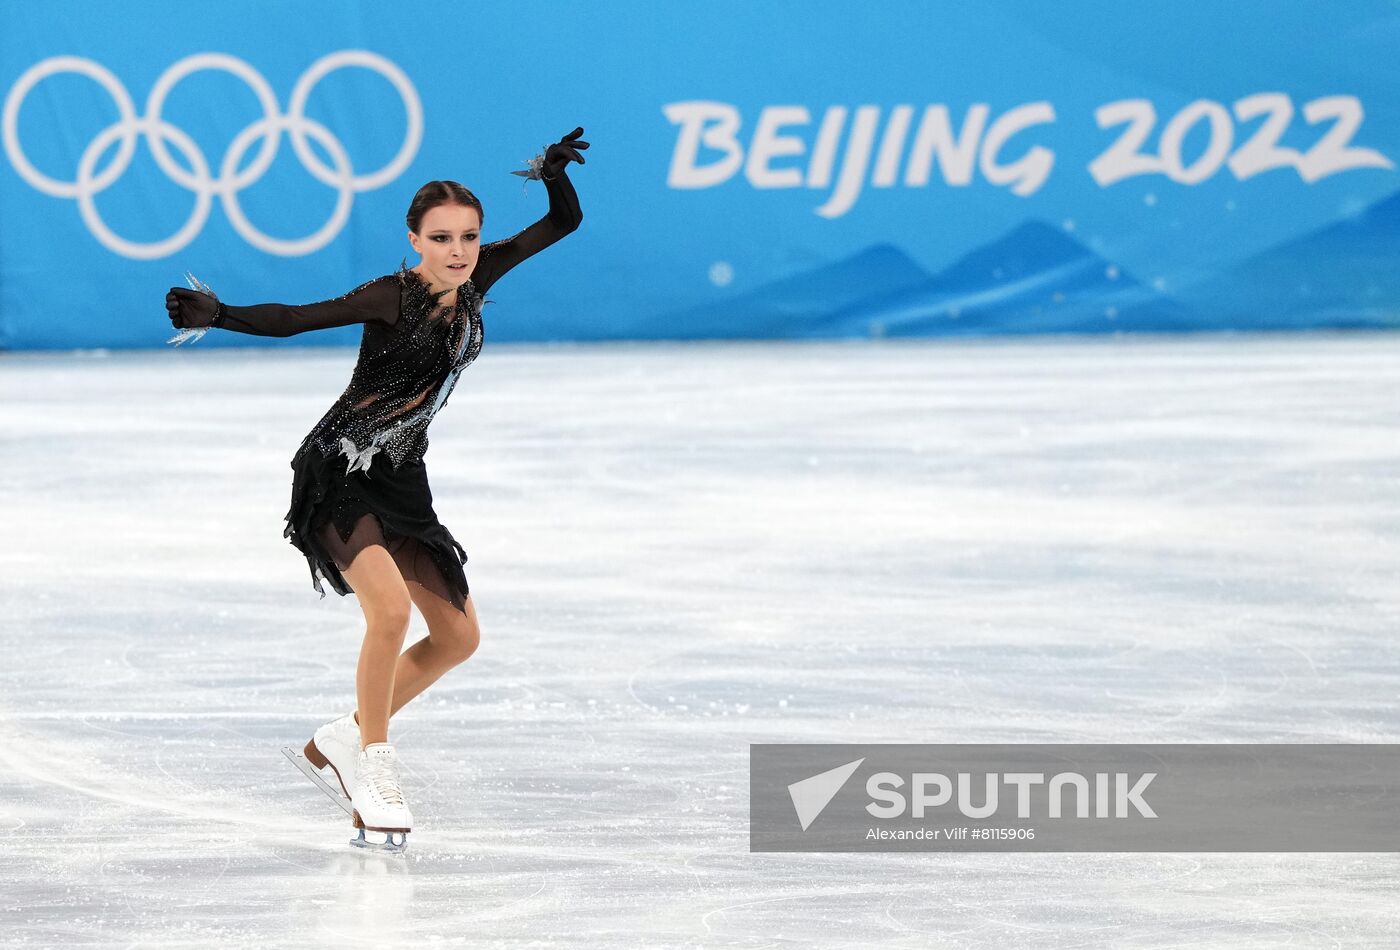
<point>310,772</point>
<point>394,842</point>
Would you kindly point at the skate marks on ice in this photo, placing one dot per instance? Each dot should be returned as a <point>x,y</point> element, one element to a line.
<point>60,768</point>
<point>1169,541</point>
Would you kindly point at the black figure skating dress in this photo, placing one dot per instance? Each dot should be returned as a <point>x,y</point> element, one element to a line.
<point>359,477</point>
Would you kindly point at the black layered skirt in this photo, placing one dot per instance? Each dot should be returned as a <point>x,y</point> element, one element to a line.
<point>334,516</point>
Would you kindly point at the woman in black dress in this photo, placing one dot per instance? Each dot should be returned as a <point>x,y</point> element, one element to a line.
<point>361,509</point>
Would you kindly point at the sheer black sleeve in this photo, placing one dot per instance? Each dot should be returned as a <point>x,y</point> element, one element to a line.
<point>376,300</point>
<point>564,216</point>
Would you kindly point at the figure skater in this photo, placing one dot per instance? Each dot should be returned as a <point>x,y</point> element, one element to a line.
<point>361,509</point>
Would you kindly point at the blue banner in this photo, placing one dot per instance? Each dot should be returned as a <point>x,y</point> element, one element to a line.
<point>756,170</point>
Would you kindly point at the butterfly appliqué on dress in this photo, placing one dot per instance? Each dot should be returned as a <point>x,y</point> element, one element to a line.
<point>359,458</point>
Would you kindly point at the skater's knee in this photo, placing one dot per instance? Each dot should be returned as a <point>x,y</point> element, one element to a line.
<point>459,638</point>
<point>388,620</point>
<point>380,588</point>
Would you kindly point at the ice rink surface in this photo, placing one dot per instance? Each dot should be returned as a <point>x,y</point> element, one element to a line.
<point>676,551</point>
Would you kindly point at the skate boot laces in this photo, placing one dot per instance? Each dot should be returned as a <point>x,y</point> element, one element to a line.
<point>380,773</point>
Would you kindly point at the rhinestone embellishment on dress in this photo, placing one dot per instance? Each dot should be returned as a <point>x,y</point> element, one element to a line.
<point>403,377</point>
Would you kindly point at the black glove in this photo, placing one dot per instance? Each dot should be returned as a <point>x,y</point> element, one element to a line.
<point>562,152</point>
<point>192,309</point>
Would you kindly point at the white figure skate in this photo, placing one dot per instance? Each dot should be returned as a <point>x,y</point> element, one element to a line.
<point>378,800</point>
<point>336,744</point>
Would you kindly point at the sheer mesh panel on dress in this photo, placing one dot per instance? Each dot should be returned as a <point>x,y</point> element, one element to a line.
<point>414,559</point>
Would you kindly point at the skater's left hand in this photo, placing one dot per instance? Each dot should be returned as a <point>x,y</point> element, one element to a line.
<point>564,151</point>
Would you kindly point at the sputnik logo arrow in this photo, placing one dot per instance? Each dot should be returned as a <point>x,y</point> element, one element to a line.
<point>811,795</point>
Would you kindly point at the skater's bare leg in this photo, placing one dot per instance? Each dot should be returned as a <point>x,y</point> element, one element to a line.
<point>453,636</point>
<point>385,601</point>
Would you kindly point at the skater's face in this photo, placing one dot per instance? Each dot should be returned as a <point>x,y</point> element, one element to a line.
<point>449,235</point>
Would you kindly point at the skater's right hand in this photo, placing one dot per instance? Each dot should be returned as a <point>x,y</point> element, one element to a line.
<point>190,308</point>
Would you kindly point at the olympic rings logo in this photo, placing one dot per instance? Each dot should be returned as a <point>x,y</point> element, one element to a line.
<point>89,182</point>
